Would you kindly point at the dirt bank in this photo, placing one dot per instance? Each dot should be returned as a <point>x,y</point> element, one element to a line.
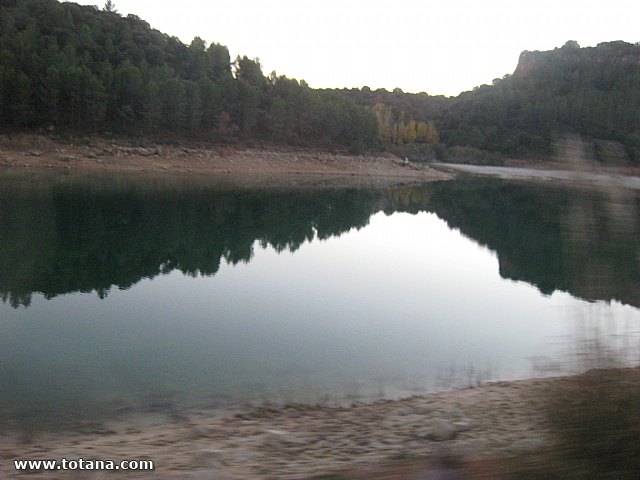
<point>253,165</point>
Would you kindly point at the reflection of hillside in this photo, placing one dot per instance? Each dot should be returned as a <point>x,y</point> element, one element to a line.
<point>79,236</point>
<point>585,243</point>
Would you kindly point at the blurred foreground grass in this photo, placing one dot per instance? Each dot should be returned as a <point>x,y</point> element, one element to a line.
<point>595,422</point>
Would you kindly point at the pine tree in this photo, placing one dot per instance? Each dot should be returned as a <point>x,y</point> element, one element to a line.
<point>109,6</point>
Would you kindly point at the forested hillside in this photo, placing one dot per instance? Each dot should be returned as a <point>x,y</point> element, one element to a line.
<point>593,92</point>
<point>66,67</point>
<point>75,67</point>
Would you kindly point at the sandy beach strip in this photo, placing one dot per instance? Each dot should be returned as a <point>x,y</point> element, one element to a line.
<point>300,441</point>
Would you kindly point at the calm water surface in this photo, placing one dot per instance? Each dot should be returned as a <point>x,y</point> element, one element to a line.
<point>129,294</point>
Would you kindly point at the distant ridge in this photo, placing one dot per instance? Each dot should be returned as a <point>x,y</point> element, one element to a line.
<point>593,92</point>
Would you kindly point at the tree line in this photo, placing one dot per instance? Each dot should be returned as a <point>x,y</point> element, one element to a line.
<point>78,68</point>
<point>75,67</point>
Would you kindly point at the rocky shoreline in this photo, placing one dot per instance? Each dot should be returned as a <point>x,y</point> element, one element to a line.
<point>301,441</point>
<point>264,165</point>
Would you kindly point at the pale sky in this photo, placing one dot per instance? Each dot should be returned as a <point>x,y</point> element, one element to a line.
<point>442,47</point>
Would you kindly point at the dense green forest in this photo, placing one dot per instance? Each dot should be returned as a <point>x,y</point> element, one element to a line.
<point>70,68</point>
<point>73,67</point>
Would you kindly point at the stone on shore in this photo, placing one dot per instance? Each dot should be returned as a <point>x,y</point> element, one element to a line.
<point>437,430</point>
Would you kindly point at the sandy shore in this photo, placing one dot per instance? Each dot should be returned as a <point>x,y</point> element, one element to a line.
<point>279,166</point>
<point>602,177</point>
<point>489,420</point>
<point>248,165</point>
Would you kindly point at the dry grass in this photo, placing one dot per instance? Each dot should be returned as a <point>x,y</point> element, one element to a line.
<point>27,141</point>
<point>596,421</point>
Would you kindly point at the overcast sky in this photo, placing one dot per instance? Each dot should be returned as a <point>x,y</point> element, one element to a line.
<point>439,47</point>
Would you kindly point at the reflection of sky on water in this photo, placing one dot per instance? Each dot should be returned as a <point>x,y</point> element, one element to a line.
<point>388,308</point>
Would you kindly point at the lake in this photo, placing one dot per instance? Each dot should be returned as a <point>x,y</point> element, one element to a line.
<point>147,295</point>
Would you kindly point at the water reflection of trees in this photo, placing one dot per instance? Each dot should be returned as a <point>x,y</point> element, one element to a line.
<point>580,240</point>
<point>83,236</point>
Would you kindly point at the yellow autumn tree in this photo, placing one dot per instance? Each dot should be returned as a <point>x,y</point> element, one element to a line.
<point>399,130</point>
<point>384,117</point>
<point>426,132</point>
